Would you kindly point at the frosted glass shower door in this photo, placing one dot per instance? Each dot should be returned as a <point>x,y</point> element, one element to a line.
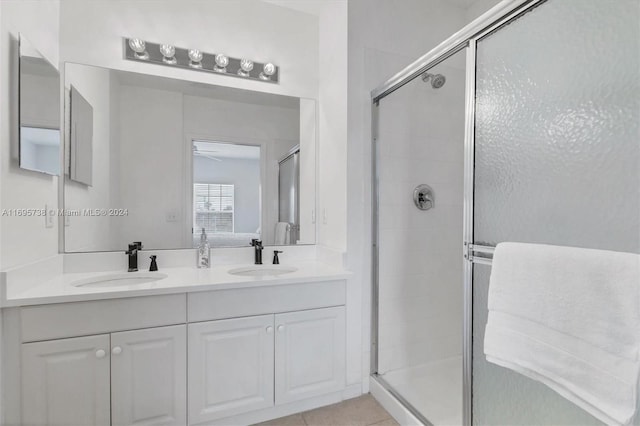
<point>420,271</point>
<point>557,161</point>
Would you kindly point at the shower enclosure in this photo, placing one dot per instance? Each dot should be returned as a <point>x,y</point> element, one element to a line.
<point>289,197</point>
<point>524,126</point>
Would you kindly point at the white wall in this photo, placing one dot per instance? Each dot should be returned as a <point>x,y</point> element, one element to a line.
<point>92,31</point>
<point>478,7</point>
<point>332,124</point>
<point>24,239</point>
<point>308,171</point>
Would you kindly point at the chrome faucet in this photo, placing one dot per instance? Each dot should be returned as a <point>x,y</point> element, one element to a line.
<point>257,245</point>
<point>133,255</point>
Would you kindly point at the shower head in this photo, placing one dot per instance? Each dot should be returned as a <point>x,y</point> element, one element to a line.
<point>437,80</point>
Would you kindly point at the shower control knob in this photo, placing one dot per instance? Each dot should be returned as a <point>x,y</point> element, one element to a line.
<point>423,197</point>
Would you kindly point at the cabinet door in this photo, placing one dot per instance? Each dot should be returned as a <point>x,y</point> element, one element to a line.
<point>310,353</point>
<point>149,376</point>
<point>230,367</point>
<point>66,382</point>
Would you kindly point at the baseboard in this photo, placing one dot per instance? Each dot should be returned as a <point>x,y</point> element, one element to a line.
<point>278,411</point>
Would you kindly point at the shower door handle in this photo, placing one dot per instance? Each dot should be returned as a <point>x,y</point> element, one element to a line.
<point>486,252</point>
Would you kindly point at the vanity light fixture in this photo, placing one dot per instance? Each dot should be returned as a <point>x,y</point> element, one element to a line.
<point>195,58</point>
<point>268,70</point>
<point>136,49</point>
<point>139,47</point>
<point>221,63</point>
<point>246,65</point>
<point>168,54</point>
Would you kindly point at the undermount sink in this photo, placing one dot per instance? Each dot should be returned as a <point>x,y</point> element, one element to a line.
<point>262,270</point>
<point>120,280</point>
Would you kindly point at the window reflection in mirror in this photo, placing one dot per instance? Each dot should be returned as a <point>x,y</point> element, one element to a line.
<point>39,111</point>
<point>226,193</point>
<point>170,157</point>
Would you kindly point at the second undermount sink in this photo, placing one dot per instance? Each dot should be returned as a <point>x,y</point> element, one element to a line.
<point>262,270</point>
<point>124,279</point>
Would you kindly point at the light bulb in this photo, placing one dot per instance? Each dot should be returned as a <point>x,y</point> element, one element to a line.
<point>195,57</point>
<point>246,66</point>
<point>268,70</point>
<point>139,48</point>
<point>221,63</point>
<point>168,54</point>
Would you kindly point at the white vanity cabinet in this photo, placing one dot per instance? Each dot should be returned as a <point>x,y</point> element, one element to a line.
<point>244,364</point>
<point>149,376</point>
<point>228,356</point>
<point>230,367</point>
<point>137,376</point>
<point>66,382</point>
<point>310,353</point>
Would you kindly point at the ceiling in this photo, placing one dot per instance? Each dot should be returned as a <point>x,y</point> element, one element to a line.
<point>462,3</point>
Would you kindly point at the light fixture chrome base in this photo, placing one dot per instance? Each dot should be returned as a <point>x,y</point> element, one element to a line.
<point>207,64</point>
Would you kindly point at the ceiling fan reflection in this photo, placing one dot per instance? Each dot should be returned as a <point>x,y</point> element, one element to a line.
<point>205,154</point>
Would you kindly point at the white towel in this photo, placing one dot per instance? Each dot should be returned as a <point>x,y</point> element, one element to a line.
<point>282,233</point>
<point>569,318</point>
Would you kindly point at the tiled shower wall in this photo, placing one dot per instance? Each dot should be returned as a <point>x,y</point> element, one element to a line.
<point>421,135</point>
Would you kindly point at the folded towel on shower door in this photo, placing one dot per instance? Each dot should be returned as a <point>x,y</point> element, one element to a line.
<point>569,318</point>
<point>282,233</point>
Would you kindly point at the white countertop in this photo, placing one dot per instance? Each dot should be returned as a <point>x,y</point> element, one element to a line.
<point>60,288</point>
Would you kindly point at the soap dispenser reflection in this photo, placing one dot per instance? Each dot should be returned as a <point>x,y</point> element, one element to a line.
<point>203,251</point>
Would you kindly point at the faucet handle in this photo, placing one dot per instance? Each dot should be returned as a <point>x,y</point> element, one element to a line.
<point>276,260</point>
<point>154,265</point>
<point>136,245</point>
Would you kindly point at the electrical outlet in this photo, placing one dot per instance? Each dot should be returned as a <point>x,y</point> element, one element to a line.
<point>172,216</point>
<point>48,217</point>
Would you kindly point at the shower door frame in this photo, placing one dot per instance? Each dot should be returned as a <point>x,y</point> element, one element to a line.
<point>503,13</point>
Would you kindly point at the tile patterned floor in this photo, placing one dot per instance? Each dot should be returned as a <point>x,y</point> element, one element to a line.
<point>361,411</point>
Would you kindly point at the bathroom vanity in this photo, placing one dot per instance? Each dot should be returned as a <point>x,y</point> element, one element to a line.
<point>197,347</point>
<point>163,158</point>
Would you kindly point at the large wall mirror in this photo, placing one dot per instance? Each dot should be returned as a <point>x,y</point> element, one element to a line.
<point>39,111</point>
<point>159,160</point>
